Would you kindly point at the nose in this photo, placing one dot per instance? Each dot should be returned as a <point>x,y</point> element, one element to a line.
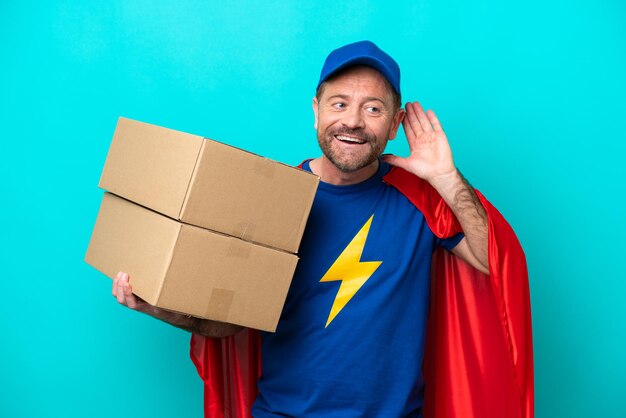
<point>353,118</point>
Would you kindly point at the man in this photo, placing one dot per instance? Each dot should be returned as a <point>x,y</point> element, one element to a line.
<point>350,342</point>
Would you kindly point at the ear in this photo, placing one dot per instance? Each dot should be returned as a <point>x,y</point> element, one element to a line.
<point>315,107</point>
<point>397,120</point>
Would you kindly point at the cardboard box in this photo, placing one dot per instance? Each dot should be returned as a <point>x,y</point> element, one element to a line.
<point>189,269</point>
<point>209,184</point>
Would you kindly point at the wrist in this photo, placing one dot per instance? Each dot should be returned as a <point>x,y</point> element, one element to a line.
<point>148,309</point>
<point>447,180</point>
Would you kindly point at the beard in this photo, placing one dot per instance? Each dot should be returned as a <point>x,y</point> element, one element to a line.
<point>348,160</point>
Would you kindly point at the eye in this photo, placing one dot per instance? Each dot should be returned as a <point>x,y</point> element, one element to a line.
<point>339,105</point>
<point>373,109</point>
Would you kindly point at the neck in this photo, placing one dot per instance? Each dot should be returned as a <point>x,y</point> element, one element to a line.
<point>329,173</point>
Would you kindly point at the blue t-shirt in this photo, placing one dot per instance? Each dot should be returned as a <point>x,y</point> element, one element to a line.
<point>350,340</point>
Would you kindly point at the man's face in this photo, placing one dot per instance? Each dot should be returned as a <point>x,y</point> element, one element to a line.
<point>355,117</point>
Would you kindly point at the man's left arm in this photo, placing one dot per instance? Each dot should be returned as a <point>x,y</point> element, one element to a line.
<point>431,160</point>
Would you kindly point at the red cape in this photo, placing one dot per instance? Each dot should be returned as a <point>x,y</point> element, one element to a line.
<point>478,360</point>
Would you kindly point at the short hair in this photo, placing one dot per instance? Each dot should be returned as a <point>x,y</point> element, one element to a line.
<point>397,99</point>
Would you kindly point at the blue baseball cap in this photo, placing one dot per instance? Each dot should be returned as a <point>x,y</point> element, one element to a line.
<point>362,53</point>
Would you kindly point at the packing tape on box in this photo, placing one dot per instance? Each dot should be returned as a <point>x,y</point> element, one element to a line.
<point>238,249</point>
<point>219,304</point>
<point>244,230</point>
<point>264,168</point>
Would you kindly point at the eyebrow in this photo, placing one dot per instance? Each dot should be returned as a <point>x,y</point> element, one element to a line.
<point>346,97</point>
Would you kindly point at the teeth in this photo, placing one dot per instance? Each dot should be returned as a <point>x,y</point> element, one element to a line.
<point>349,139</point>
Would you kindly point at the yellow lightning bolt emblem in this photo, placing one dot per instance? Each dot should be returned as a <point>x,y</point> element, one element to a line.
<point>350,270</point>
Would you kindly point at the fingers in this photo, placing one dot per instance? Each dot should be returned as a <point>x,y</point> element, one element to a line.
<point>115,279</point>
<point>434,121</point>
<point>408,130</point>
<point>117,287</point>
<point>123,292</point>
<point>423,119</point>
<point>417,121</point>
<point>131,301</point>
<point>412,121</point>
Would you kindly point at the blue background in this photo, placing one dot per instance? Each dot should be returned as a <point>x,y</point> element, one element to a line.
<point>530,93</point>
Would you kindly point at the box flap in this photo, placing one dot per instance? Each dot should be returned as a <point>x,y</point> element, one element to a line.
<point>151,165</point>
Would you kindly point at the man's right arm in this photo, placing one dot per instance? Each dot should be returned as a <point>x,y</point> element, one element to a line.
<point>213,329</point>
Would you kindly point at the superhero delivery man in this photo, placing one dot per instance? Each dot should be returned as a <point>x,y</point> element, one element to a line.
<point>411,295</point>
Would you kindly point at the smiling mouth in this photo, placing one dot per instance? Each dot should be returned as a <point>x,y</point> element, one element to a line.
<point>350,140</point>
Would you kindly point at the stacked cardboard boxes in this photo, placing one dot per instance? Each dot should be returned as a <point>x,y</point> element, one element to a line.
<point>201,227</point>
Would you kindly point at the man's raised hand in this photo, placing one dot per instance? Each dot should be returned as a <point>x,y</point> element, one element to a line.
<point>430,154</point>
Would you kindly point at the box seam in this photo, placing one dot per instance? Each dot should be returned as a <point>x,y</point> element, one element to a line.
<point>258,244</point>
<point>170,258</point>
<point>191,180</point>
<point>282,250</point>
